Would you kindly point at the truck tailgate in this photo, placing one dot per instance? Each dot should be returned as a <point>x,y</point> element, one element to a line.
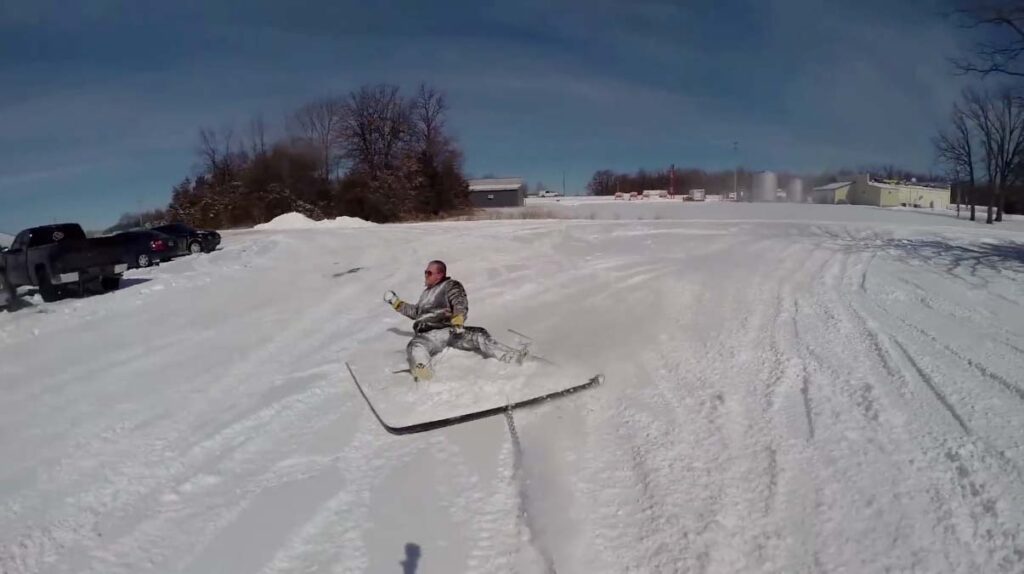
<point>89,254</point>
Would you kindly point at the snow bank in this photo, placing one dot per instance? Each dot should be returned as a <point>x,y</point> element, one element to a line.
<point>346,221</point>
<point>980,209</point>
<point>288,221</point>
<point>295,220</point>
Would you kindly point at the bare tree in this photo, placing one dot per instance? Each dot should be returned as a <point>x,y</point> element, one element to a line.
<point>374,129</point>
<point>1010,128</point>
<point>209,148</point>
<point>257,136</point>
<point>999,122</point>
<point>955,149</point>
<point>439,180</point>
<point>604,182</point>
<point>428,111</point>
<point>319,123</point>
<point>1002,23</point>
<point>978,109</point>
<point>215,148</point>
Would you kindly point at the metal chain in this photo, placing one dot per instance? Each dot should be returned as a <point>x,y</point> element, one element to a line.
<point>512,428</point>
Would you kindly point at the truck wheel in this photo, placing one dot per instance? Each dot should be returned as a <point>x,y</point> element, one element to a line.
<point>195,248</point>
<point>143,260</point>
<point>110,283</point>
<point>47,290</point>
<point>8,289</point>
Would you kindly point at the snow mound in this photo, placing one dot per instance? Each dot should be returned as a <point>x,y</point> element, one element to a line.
<point>346,221</point>
<point>295,220</point>
<point>291,220</point>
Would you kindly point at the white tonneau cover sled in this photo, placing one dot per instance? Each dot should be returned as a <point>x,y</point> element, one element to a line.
<point>466,387</point>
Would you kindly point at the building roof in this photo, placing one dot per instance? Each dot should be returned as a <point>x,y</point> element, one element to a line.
<point>909,187</point>
<point>502,184</point>
<point>833,186</point>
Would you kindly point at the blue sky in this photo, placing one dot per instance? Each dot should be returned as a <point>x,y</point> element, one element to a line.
<point>102,100</point>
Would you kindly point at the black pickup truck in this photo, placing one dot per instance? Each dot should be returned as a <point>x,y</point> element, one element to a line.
<point>58,258</point>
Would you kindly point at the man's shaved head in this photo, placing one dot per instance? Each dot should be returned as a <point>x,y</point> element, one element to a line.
<point>435,272</point>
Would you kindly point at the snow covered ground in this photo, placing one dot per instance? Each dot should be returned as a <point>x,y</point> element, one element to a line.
<point>591,207</point>
<point>789,389</point>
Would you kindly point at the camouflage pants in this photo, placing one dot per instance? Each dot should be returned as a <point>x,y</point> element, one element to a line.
<point>425,345</point>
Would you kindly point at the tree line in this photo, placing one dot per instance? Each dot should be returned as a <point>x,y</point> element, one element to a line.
<point>373,153</point>
<point>982,146</point>
<point>983,150</point>
<point>609,182</point>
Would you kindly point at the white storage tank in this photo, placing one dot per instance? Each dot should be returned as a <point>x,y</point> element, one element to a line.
<point>795,190</point>
<point>764,186</point>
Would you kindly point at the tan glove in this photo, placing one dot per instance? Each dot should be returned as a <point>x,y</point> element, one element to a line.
<point>458,323</point>
<point>391,298</point>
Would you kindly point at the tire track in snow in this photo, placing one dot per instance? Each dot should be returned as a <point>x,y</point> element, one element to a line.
<point>970,362</point>
<point>333,536</point>
<point>971,396</point>
<point>930,383</point>
<point>857,388</point>
<point>525,515</point>
<point>786,416</point>
<point>930,440</point>
<point>787,332</point>
<point>979,368</point>
<point>743,426</point>
<point>643,493</point>
<point>798,497</point>
<point>100,500</point>
<point>869,464</point>
<point>482,509</point>
<point>805,392</point>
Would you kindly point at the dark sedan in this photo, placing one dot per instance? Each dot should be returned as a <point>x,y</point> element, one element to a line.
<point>191,240</point>
<point>145,247</point>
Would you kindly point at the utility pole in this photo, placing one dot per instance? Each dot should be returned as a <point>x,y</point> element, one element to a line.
<point>735,169</point>
<point>563,183</point>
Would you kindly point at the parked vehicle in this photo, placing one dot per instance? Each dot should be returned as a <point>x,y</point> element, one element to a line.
<point>7,292</point>
<point>145,247</point>
<point>191,240</point>
<point>55,258</point>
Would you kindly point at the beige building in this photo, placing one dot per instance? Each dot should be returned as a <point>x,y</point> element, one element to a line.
<point>864,191</point>
<point>832,193</point>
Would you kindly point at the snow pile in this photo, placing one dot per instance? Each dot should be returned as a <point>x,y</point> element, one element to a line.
<point>6,240</point>
<point>291,220</point>
<point>295,220</point>
<point>346,222</point>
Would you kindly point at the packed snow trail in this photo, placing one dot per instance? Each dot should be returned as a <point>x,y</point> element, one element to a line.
<point>797,389</point>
